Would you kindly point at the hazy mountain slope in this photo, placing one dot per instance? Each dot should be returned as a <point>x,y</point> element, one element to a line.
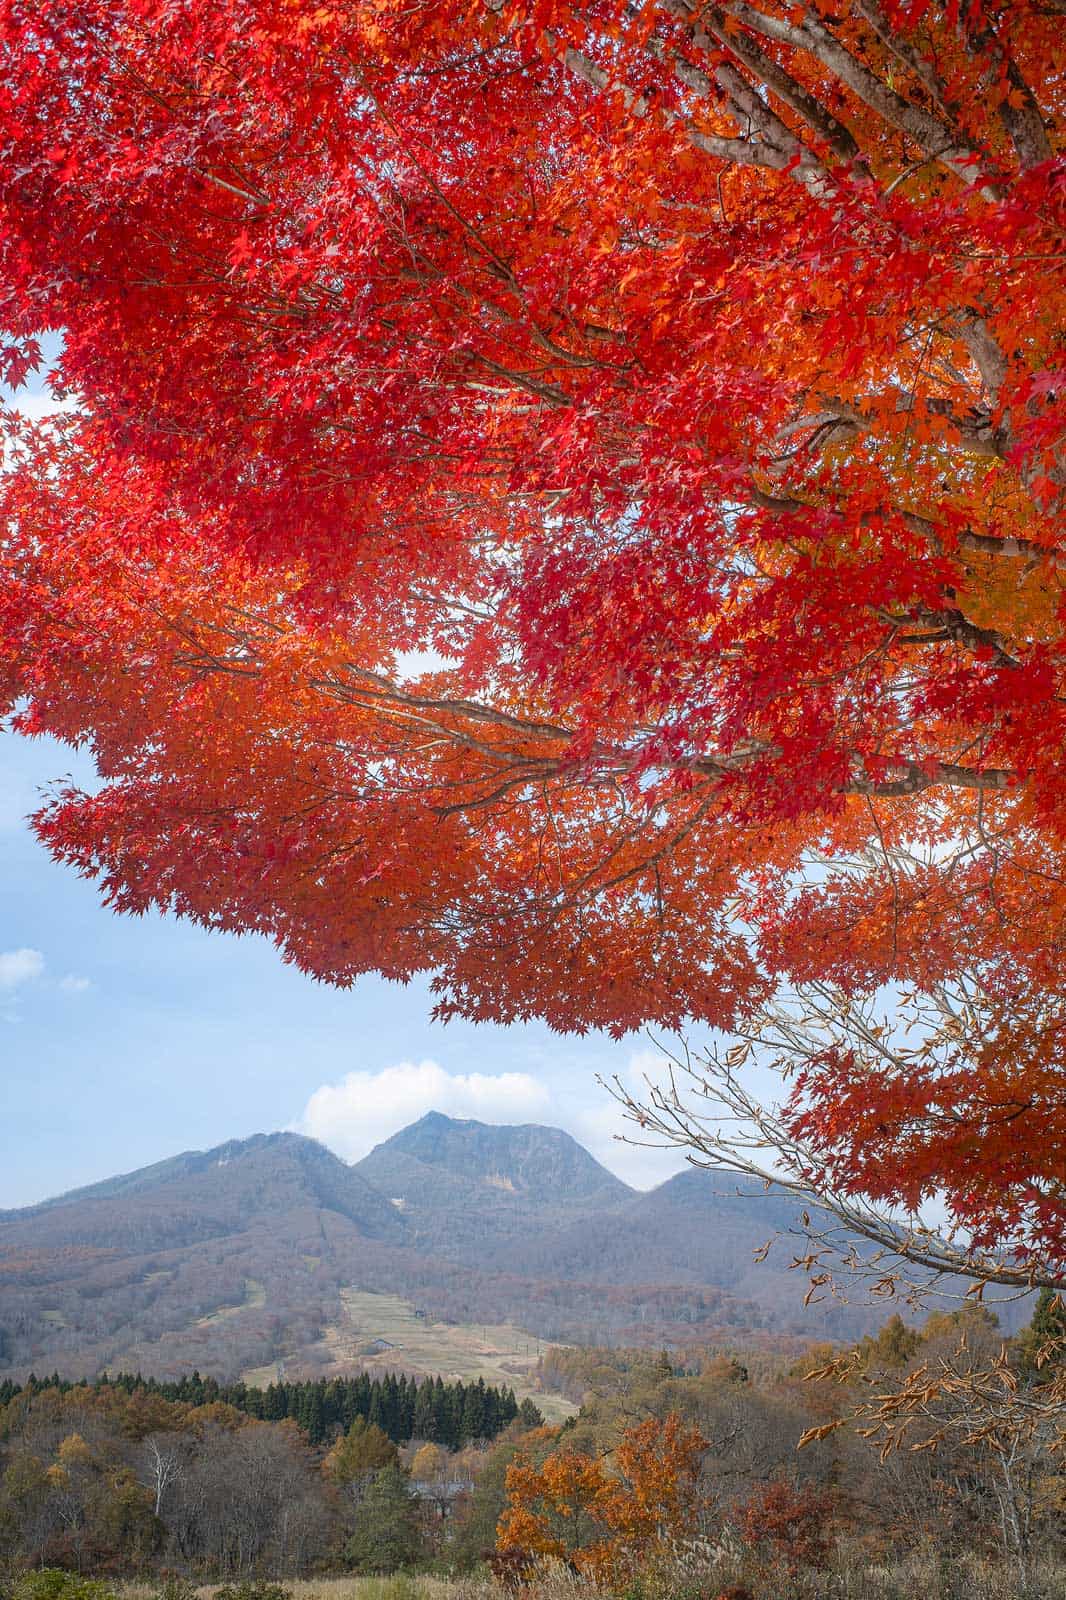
<point>694,1228</point>
<point>206,1194</point>
<point>531,1201</point>
<point>698,1228</point>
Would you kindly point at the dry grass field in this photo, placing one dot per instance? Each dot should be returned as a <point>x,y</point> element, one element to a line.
<point>921,1576</point>
<point>254,1296</point>
<point>400,1586</point>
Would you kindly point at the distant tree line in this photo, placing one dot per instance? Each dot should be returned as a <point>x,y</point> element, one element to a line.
<point>449,1414</point>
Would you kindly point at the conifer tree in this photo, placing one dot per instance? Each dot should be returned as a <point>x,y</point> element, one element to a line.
<point>473,1423</point>
<point>386,1536</point>
<point>424,1422</point>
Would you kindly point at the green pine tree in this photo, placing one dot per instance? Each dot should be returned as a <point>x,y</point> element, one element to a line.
<point>424,1423</point>
<point>530,1415</point>
<point>473,1425</point>
<point>386,1536</point>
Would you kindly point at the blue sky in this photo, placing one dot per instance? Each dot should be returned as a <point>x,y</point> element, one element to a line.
<point>125,1040</point>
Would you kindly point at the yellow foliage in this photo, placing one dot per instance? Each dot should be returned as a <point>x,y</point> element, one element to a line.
<point>427,1462</point>
<point>74,1451</point>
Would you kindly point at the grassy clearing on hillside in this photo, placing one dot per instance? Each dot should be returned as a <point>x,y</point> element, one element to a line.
<point>498,1352</point>
<point>254,1297</point>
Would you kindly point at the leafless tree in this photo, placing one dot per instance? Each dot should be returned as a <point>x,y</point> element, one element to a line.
<point>962,1400</point>
<point>163,1466</point>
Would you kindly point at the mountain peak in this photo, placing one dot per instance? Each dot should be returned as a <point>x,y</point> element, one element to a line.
<point>526,1158</point>
<point>436,1120</point>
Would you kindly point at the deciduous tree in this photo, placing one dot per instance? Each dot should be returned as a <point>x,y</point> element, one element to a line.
<point>361,1452</point>
<point>688,380</point>
<point>962,1398</point>
<point>923,1131</point>
<point>786,1526</point>
<point>605,1519</point>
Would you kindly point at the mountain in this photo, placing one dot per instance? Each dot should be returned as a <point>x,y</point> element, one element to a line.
<point>214,1258</point>
<point>207,1194</point>
<point>698,1227</point>
<point>471,1190</point>
<point>270,1253</point>
<point>545,1165</point>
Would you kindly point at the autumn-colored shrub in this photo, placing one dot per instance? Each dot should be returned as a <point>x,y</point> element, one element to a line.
<point>602,1517</point>
<point>512,1568</point>
<point>785,1525</point>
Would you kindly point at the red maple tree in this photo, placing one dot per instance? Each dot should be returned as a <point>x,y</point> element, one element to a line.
<point>689,381</point>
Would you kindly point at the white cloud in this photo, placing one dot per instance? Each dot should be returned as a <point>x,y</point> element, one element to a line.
<point>19,966</point>
<point>72,984</point>
<point>365,1107</point>
<point>607,1137</point>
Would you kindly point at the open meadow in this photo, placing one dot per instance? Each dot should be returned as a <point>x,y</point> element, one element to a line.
<point>381,1333</point>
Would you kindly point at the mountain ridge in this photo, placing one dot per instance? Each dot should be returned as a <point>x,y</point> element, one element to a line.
<point>259,1182</point>
<point>183,1161</point>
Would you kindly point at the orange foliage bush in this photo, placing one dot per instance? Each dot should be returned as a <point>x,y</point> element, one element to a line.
<point>785,1525</point>
<point>604,1519</point>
